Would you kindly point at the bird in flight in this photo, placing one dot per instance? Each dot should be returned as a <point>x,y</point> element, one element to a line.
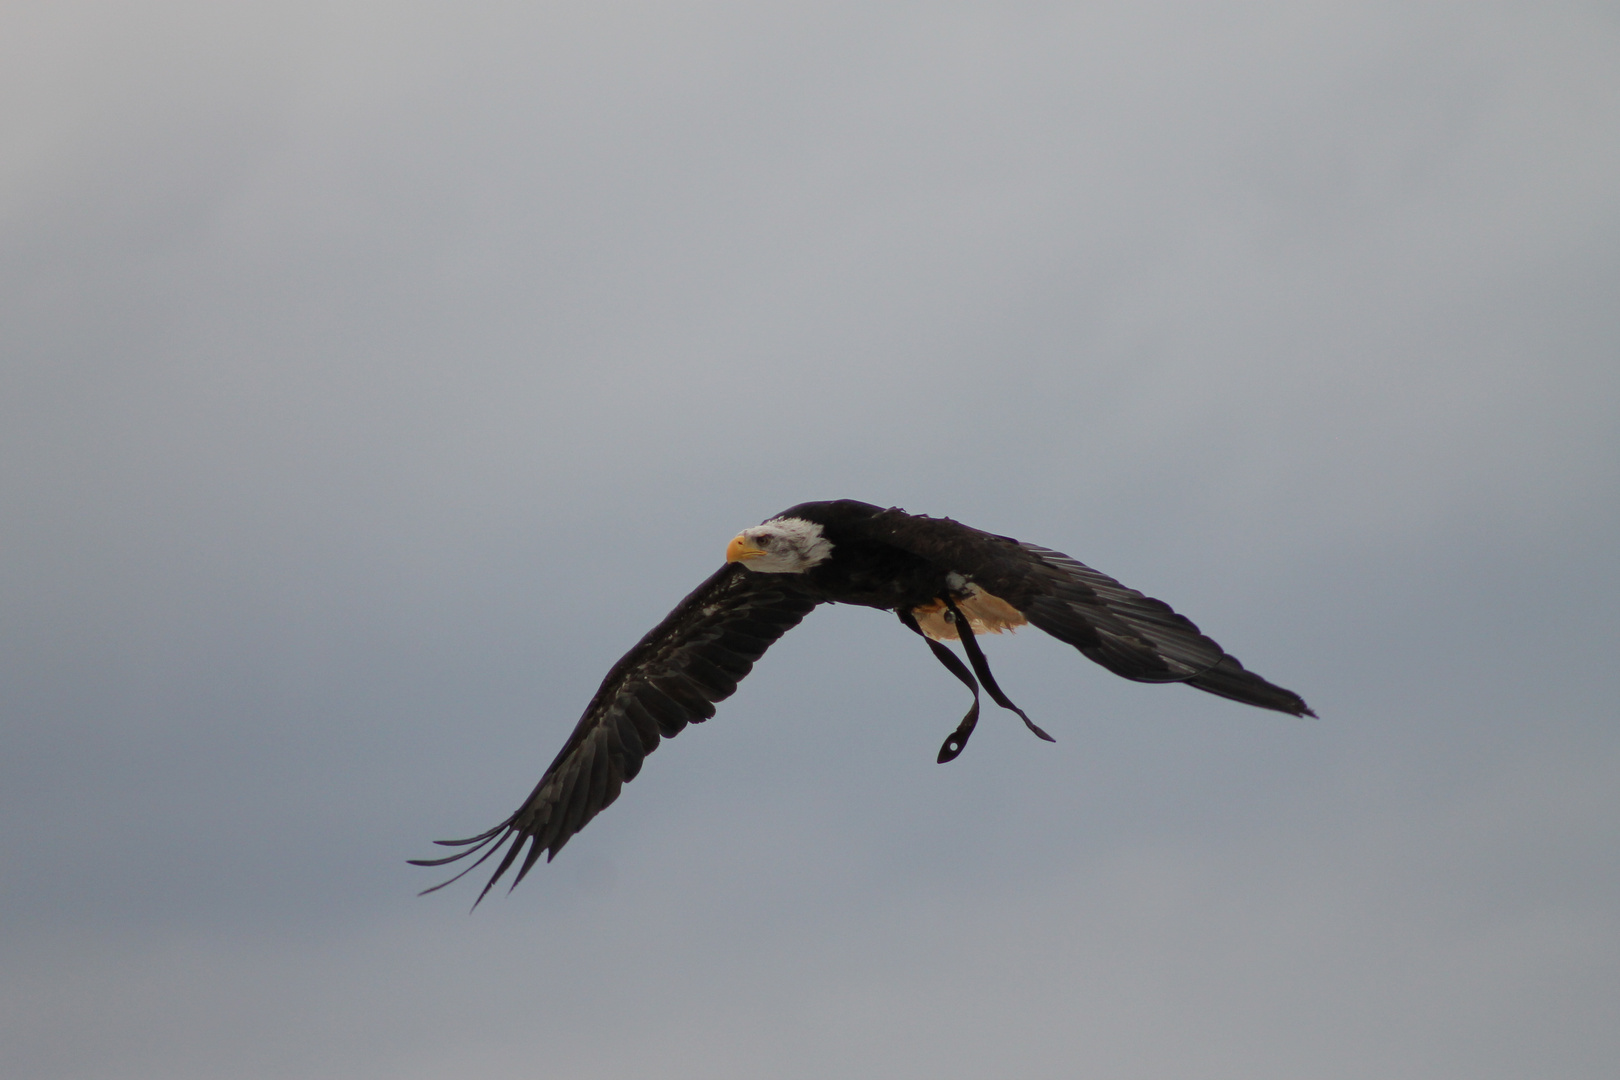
<point>936,574</point>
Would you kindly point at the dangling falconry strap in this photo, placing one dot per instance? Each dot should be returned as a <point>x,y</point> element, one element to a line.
<point>957,740</point>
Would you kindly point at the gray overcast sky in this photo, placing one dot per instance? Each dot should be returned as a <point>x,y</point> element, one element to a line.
<point>374,374</point>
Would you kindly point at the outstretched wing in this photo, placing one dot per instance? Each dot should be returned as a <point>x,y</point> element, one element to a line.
<point>674,675</point>
<point>1126,632</point>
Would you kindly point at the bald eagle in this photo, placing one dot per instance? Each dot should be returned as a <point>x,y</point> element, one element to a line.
<point>936,574</point>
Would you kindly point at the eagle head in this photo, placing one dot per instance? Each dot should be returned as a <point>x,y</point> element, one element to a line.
<point>780,546</point>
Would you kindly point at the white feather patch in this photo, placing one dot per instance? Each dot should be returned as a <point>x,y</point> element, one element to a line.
<point>791,546</point>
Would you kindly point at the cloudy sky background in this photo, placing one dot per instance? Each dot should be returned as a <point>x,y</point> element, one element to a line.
<point>375,374</point>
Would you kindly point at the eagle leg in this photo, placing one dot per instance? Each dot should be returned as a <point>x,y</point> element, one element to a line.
<point>957,739</point>
<point>981,667</point>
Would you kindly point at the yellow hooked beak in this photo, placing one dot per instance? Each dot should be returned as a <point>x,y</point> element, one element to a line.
<point>741,549</point>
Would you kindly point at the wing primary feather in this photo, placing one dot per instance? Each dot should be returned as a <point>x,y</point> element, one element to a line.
<point>495,846</point>
<point>506,863</point>
<point>485,835</point>
<point>600,778</point>
<point>535,848</point>
<point>590,789</point>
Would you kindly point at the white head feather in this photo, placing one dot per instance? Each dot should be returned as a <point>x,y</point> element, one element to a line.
<point>789,546</point>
